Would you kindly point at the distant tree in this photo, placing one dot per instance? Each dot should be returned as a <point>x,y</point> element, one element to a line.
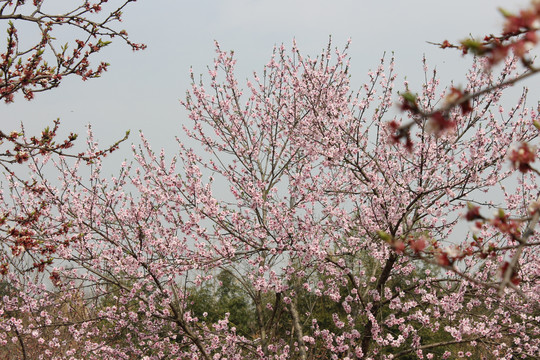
<point>224,295</point>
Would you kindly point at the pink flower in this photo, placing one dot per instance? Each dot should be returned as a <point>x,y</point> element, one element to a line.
<point>417,245</point>
<point>522,156</point>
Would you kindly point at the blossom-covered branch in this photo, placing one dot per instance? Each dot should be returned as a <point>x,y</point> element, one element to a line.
<point>41,66</point>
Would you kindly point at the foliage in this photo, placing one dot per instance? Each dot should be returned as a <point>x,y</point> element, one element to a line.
<point>225,297</point>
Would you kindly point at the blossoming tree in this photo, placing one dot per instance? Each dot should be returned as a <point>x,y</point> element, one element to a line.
<point>302,196</point>
<point>340,241</point>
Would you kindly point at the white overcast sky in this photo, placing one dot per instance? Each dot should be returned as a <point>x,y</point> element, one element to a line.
<point>141,91</point>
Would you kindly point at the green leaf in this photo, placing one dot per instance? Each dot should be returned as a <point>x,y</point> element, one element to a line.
<point>102,43</point>
<point>504,12</point>
<point>384,236</point>
<point>408,96</point>
<point>475,46</point>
